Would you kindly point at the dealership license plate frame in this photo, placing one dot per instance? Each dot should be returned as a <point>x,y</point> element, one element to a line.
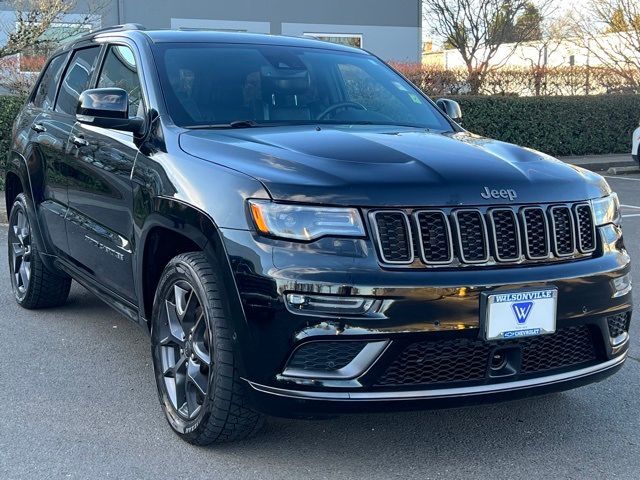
<point>531,327</point>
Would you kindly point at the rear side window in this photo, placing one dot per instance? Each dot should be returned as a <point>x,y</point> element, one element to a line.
<point>120,70</point>
<point>46,91</point>
<point>76,79</point>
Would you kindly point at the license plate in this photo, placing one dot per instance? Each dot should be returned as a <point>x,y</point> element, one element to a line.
<point>523,313</point>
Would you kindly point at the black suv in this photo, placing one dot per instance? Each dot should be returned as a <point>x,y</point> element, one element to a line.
<point>304,233</point>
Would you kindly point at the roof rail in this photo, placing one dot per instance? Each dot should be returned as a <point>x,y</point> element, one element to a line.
<point>119,28</point>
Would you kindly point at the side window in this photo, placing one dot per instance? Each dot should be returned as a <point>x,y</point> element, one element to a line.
<point>76,79</point>
<point>120,70</point>
<point>45,92</point>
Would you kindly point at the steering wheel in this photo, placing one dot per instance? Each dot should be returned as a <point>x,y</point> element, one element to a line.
<point>337,106</point>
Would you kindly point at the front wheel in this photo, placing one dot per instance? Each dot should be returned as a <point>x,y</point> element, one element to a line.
<point>194,358</point>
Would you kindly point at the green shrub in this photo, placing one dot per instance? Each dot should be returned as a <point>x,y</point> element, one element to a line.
<point>580,125</point>
<point>9,107</point>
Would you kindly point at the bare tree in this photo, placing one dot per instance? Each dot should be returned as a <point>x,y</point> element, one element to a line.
<point>556,33</point>
<point>478,29</point>
<point>38,27</point>
<point>611,35</point>
<point>34,19</point>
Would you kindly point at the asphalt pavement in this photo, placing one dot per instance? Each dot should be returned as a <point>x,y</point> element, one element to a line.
<point>78,401</point>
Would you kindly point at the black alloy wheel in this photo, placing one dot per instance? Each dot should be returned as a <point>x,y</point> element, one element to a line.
<point>185,350</point>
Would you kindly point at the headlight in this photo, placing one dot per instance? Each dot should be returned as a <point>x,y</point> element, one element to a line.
<point>606,209</point>
<point>298,222</point>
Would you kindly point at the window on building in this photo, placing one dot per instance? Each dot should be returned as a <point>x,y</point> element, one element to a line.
<point>34,58</point>
<point>120,70</point>
<point>46,91</point>
<point>76,79</point>
<point>349,39</point>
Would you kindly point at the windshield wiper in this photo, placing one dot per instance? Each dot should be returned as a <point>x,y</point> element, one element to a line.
<point>234,124</point>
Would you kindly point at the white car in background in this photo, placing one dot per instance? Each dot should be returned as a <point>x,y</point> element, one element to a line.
<point>635,144</point>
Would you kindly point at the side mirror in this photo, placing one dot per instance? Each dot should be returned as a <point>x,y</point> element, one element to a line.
<point>107,108</point>
<point>451,108</point>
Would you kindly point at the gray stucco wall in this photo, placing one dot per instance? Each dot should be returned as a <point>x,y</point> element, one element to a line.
<point>389,28</point>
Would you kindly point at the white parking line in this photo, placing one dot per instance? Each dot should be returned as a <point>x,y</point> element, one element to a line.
<point>630,206</point>
<point>631,215</point>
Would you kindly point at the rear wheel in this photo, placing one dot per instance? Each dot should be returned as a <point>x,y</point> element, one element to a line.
<point>34,285</point>
<point>195,363</point>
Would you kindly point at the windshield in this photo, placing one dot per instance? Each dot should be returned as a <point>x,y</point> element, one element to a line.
<point>209,84</point>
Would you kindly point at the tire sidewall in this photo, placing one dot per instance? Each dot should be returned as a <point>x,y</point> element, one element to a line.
<point>178,270</point>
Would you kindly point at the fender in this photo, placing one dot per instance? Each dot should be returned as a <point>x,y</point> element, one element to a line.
<point>18,165</point>
<point>199,227</point>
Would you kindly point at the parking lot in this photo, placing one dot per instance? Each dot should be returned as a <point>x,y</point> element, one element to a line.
<point>79,401</point>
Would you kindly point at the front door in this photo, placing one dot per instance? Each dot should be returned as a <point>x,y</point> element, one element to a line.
<point>100,218</point>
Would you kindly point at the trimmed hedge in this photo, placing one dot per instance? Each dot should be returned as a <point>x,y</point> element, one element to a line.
<point>9,108</point>
<point>580,125</point>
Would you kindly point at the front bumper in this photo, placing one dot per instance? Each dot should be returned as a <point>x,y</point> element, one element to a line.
<point>300,403</point>
<point>417,307</point>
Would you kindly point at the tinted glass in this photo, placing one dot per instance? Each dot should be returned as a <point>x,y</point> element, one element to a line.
<point>214,84</point>
<point>120,70</point>
<point>76,79</point>
<point>45,93</point>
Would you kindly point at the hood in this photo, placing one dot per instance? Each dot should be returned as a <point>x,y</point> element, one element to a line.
<point>382,166</point>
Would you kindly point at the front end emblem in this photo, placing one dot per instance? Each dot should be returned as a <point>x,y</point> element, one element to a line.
<point>522,310</point>
<point>501,193</point>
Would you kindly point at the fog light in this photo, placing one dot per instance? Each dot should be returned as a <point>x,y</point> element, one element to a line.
<point>622,285</point>
<point>328,304</point>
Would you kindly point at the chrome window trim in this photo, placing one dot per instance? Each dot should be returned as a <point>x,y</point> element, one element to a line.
<point>578,233</point>
<point>572,229</point>
<point>485,236</point>
<point>494,234</point>
<point>423,257</point>
<point>374,227</point>
<point>526,233</point>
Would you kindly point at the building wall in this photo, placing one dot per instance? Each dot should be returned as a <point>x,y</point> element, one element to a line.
<point>391,29</point>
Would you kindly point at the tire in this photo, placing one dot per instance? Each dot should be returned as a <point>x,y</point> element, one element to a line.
<point>34,284</point>
<point>192,347</point>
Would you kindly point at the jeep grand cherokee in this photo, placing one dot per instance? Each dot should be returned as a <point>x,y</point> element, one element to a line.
<point>304,233</point>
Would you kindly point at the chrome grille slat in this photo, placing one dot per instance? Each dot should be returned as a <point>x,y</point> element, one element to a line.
<point>585,228</point>
<point>506,234</point>
<point>434,237</point>
<point>562,231</point>
<point>393,233</point>
<point>471,232</point>
<point>501,235</point>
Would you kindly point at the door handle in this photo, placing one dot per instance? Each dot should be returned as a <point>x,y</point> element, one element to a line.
<point>36,127</point>
<point>79,141</point>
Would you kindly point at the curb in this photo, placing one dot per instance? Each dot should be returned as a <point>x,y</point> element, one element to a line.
<point>3,210</point>
<point>609,164</point>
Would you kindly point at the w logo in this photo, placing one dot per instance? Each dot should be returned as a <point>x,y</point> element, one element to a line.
<point>522,311</point>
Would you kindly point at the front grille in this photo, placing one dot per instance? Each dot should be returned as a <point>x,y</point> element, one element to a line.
<point>562,231</point>
<point>472,236</point>
<point>586,228</point>
<point>618,324</point>
<point>484,236</point>
<point>325,356</point>
<point>461,360</point>
<point>394,236</point>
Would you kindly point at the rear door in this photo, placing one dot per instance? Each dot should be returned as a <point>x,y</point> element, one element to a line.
<point>54,128</point>
<point>100,219</point>
<point>47,148</point>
